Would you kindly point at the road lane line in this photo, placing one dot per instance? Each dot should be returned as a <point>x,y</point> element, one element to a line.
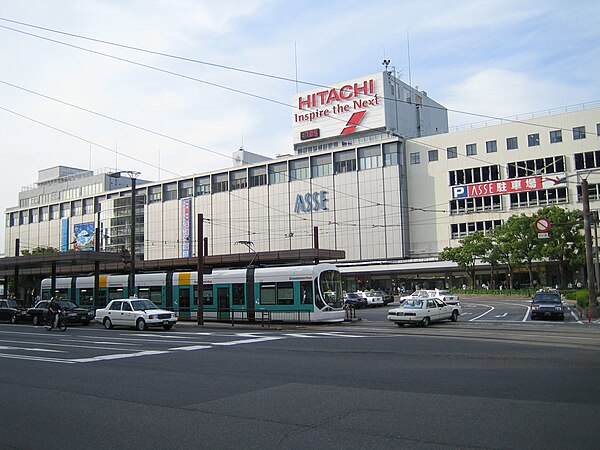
<point>487,312</point>
<point>119,356</point>
<point>526,314</point>
<point>192,347</point>
<point>248,341</point>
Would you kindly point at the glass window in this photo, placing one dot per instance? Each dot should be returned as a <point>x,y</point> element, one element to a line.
<point>491,147</point>
<point>598,129</point>
<point>320,165</point>
<point>154,194</point>
<point>238,179</point>
<point>452,152</point>
<point>578,133</point>
<point>278,173</point>
<point>238,294</point>
<point>369,157</point>
<point>555,136</point>
<point>344,161</point>
<point>390,154</point>
<point>415,158</point>
<point>202,186</point>
<point>207,294</point>
<point>533,139</point>
<point>433,155</point>
<point>285,293</point>
<point>471,149</point>
<point>299,169</point>
<point>257,176</point>
<point>170,191</point>
<point>512,143</point>
<point>220,182</point>
<point>267,294</point>
<point>306,293</point>
<point>186,188</point>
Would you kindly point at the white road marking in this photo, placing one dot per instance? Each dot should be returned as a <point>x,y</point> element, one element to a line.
<point>31,349</point>
<point>248,341</point>
<point>191,347</point>
<point>526,314</point>
<point>119,356</point>
<point>481,315</point>
<point>502,315</point>
<point>575,317</point>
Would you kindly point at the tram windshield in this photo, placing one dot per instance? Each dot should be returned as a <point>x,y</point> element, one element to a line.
<point>330,288</point>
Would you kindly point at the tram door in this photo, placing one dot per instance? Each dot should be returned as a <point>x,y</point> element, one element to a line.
<point>184,302</point>
<point>223,303</point>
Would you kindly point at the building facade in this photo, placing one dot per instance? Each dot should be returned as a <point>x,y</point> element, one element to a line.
<point>374,170</point>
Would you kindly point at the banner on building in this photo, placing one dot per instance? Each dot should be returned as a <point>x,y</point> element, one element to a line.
<point>84,236</point>
<point>64,234</point>
<point>186,227</point>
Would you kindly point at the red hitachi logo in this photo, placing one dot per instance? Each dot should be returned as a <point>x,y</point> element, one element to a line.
<point>346,92</point>
<point>353,122</point>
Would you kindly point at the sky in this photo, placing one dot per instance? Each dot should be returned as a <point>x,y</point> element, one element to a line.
<point>83,103</point>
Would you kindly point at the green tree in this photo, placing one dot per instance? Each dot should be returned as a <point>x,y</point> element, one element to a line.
<point>520,238</point>
<point>566,243</point>
<point>472,248</point>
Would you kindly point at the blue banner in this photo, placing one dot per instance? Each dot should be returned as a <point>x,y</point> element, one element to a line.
<point>84,236</point>
<point>64,234</point>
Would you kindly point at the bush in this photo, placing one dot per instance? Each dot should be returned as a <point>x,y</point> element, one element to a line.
<point>581,296</point>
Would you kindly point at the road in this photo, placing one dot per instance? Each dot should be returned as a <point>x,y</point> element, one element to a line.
<point>367,384</point>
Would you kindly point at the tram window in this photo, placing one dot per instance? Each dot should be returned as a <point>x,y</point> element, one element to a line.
<point>207,294</point>
<point>306,293</point>
<point>152,293</point>
<point>115,293</point>
<point>238,294</point>
<point>267,294</point>
<point>285,293</point>
<point>86,297</point>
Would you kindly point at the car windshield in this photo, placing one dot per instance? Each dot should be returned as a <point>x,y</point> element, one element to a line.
<point>141,305</point>
<point>370,294</point>
<point>546,298</point>
<point>351,295</point>
<point>444,293</point>
<point>412,304</point>
<point>13,304</point>
<point>66,304</point>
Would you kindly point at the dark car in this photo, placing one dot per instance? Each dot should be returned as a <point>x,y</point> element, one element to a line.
<point>387,298</point>
<point>12,311</point>
<point>75,314</point>
<point>354,299</point>
<point>547,305</point>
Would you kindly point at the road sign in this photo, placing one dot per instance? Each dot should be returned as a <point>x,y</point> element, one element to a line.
<point>542,225</point>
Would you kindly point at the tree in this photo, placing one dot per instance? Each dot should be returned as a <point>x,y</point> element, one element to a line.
<point>472,247</point>
<point>520,239</point>
<point>566,243</point>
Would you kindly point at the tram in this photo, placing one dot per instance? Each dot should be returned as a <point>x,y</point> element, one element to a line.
<point>310,293</point>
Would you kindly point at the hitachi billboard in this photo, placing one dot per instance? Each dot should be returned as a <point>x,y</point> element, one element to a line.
<point>343,108</point>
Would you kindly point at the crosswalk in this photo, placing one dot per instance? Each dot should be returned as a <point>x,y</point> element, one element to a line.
<point>81,346</point>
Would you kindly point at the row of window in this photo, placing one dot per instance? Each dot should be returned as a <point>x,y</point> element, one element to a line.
<point>512,143</point>
<point>461,230</point>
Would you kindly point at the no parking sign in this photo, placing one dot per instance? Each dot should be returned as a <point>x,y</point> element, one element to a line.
<point>542,226</point>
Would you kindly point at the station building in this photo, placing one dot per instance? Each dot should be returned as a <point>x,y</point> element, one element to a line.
<point>374,171</point>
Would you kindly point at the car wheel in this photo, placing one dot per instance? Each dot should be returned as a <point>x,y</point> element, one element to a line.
<point>86,322</point>
<point>400,324</point>
<point>168,326</point>
<point>140,325</point>
<point>36,320</point>
<point>532,317</point>
<point>425,322</point>
<point>108,323</point>
<point>454,316</point>
<point>13,319</point>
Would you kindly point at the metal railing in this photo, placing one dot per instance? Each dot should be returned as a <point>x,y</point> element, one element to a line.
<point>262,316</point>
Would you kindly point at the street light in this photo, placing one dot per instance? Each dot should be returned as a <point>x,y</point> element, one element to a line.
<point>133,176</point>
<point>587,230</point>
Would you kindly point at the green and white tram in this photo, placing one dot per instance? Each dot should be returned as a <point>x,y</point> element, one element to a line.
<point>289,294</point>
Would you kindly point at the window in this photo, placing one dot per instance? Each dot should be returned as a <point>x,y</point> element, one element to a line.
<point>238,179</point>
<point>553,164</point>
<point>578,133</point>
<point>257,176</point>
<point>267,294</point>
<point>186,188</point>
<point>512,143</point>
<point>534,199</point>
<point>369,157</point>
<point>415,158</point>
<point>471,149</point>
<point>285,293</point>
<point>306,293</point>
<point>88,206</point>
<point>299,169</point>
<point>598,129</point>
<point>169,191</point>
<point>491,147</point>
<point>202,186</point>
<point>154,194</point>
<point>433,155</point>
<point>533,139</point>
<point>76,208</point>
<point>390,154</point>
<point>475,204</point>
<point>587,160</point>
<point>208,294</point>
<point>474,175</point>
<point>320,165</point>
<point>238,294</point>
<point>451,153</point>
<point>278,173</point>
<point>344,161</point>
<point>555,136</point>
<point>220,182</point>
<point>460,230</point>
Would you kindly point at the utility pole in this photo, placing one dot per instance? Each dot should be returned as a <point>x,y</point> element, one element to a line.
<point>589,254</point>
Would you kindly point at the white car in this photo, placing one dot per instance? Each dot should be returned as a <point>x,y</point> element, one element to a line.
<point>442,294</point>
<point>373,298</point>
<point>135,312</point>
<point>423,311</point>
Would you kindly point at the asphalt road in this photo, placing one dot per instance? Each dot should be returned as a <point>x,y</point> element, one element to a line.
<point>368,384</point>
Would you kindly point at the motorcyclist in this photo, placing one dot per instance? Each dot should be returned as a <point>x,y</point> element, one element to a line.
<point>53,310</point>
